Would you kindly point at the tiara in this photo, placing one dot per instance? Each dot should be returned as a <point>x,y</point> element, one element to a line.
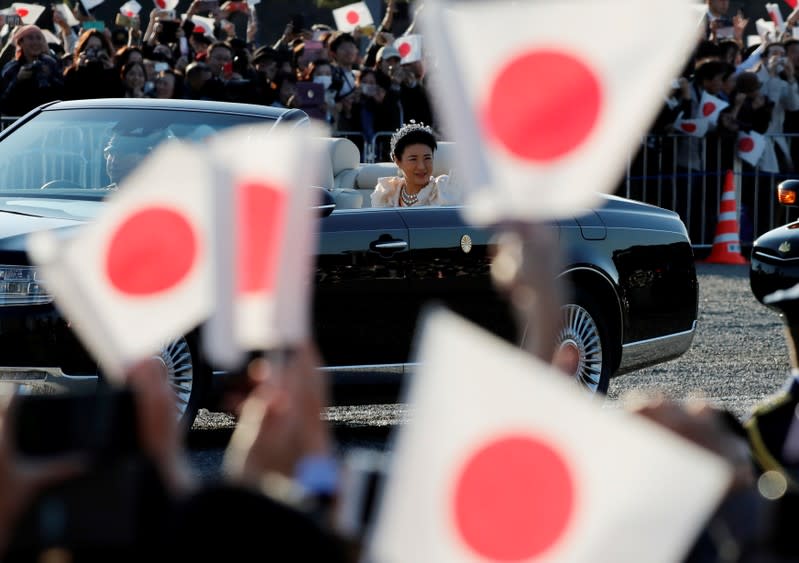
<point>409,127</point>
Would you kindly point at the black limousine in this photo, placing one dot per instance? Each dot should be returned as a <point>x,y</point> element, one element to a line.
<point>630,266</point>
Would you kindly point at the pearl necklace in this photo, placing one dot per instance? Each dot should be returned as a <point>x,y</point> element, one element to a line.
<point>408,199</point>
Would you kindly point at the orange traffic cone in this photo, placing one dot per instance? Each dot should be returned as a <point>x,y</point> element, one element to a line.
<point>727,242</point>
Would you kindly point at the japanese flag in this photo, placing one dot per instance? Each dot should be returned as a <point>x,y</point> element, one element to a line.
<point>750,147</point>
<point>409,47</point>
<point>506,460</point>
<point>791,3</point>
<point>130,8</point>
<point>352,16</point>
<point>202,24</point>
<point>140,275</point>
<point>692,127</point>
<point>775,14</point>
<point>28,12</point>
<point>91,4</point>
<point>710,107</point>
<point>766,29</point>
<point>67,14</point>
<point>266,241</point>
<point>166,4</point>
<point>543,121</point>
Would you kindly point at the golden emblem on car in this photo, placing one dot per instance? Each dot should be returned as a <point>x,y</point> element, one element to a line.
<point>785,247</point>
<point>466,244</point>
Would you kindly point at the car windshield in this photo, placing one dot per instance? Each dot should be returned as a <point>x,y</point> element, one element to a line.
<point>85,152</point>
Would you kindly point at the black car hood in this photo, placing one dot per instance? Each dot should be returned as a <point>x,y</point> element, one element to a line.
<point>21,216</point>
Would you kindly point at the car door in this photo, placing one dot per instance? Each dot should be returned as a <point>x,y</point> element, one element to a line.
<point>361,298</point>
<point>451,265</point>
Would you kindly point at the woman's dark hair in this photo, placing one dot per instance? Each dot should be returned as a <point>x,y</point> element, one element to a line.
<point>83,41</point>
<point>412,134</point>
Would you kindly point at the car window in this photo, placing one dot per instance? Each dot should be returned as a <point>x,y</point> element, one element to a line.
<point>67,150</point>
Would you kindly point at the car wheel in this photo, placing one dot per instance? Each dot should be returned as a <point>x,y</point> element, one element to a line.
<point>186,377</point>
<point>585,345</point>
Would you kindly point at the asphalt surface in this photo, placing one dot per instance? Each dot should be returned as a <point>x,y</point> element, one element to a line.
<point>737,358</point>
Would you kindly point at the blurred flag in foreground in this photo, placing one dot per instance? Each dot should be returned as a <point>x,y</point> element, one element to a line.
<point>140,275</point>
<point>352,16</point>
<point>506,460</point>
<point>543,120</point>
<point>263,287</point>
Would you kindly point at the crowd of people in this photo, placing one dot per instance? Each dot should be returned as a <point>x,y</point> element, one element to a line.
<point>755,75</point>
<point>364,87</point>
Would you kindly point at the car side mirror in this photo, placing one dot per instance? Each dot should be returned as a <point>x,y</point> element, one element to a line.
<point>788,192</point>
<point>327,202</point>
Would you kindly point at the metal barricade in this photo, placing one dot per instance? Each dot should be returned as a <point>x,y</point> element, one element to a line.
<point>687,175</point>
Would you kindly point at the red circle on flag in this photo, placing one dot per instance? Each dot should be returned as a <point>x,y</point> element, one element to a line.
<point>161,3</point>
<point>152,251</point>
<point>708,108</point>
<point>688,127</point>
<point>130,14</point>
<point>404,49</point>
<point>353,17</point>
<point>542,105</point>
<point>22,12</point>
<point>260,215</point>
<point>514,498</point>
<point>198,29</point>
<point>747,144</point>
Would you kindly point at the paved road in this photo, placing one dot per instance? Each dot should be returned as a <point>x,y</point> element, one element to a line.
<point>737,358</point>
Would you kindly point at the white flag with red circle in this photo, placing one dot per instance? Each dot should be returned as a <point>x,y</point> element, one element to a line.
<point>711,106</point>
<point>266,241</point>
<point>166,4</point>
<point>67,14</point>
<point>409,47</point>
<point>506,459</point>
<point>750,146</point>
<point>543,120</point>
<point>201,24</point>
<point>29,13</point>
<point>775,14</point>
<point>352,16</point>
<point>130,8</point>
<point>140,276</point>
<point>91,4</point>
<point>766,29</point>
<point>692,127</point>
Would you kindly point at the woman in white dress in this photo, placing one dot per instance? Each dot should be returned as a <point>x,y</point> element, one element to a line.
<point>412,148</point>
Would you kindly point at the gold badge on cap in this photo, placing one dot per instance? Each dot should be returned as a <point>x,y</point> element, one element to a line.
<point>785,247</point>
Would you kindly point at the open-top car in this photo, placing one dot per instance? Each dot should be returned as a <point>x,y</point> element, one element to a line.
<point>630,267</point>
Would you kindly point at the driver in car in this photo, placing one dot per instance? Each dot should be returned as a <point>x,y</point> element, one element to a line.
<point>126,149</point>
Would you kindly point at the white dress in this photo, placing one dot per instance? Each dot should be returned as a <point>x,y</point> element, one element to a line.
<point>438,191</point>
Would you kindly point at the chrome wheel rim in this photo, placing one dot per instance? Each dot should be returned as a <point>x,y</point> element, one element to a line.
<point>581,332</point>
<point>180,372</point>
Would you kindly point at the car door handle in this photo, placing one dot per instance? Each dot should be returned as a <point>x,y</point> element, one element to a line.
<point>390,245</point>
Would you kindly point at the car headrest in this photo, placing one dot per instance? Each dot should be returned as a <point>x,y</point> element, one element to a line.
<point>369,173</point>
<point>444,158</point>
<point>344,154</point>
